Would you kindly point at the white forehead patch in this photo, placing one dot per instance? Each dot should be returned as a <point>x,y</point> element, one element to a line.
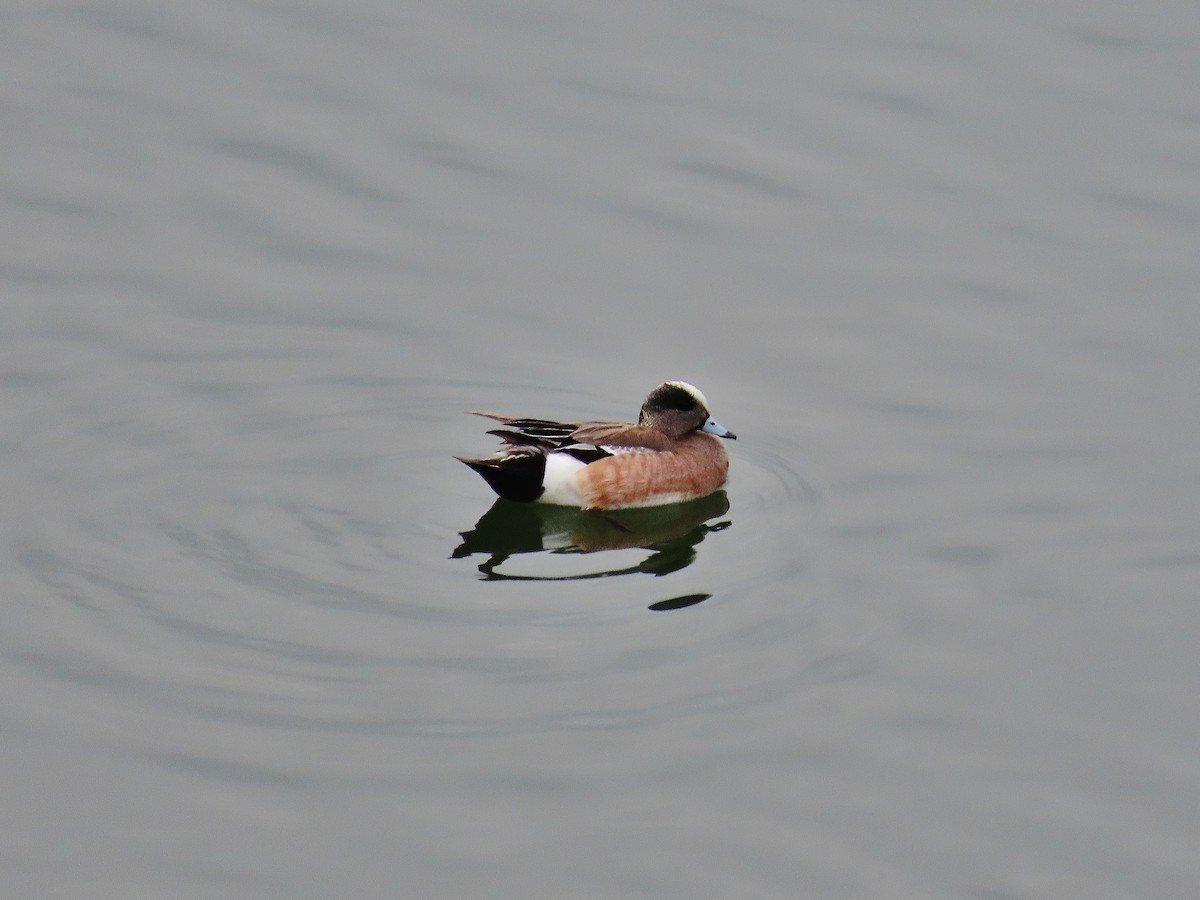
<point>691,389</point>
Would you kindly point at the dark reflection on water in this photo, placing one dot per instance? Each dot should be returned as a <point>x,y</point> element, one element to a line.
<point>670,533</point>
<point>681,602</point>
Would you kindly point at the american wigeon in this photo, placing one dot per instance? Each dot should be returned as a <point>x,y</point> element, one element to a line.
<point>671,455</point>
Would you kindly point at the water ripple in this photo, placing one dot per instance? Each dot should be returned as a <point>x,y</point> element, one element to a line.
<point>285,609</point>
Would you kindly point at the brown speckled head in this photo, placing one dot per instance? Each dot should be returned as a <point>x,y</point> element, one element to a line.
<point>677,408</point>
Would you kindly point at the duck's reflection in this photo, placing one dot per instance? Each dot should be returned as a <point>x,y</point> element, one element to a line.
<point>670,533</point>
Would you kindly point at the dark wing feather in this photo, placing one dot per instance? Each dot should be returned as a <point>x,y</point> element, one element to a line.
<point>550,435</point>
<point>556,434</point>
<point>517,439</point>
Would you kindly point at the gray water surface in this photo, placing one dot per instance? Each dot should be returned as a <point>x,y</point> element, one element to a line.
<point>936,264</point>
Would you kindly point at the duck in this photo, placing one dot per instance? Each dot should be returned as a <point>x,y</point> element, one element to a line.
<point>673,454</point>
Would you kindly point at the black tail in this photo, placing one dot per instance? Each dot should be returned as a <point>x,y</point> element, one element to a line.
<point>513,476</point>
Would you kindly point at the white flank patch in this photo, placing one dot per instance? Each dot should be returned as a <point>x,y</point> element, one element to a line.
<point>559,481</point>
<point>659,500</point>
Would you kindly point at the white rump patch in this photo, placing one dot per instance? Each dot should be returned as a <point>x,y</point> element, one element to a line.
<point>561,487</point>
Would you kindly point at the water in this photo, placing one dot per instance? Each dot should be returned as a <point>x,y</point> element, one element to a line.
<point>935,266</point>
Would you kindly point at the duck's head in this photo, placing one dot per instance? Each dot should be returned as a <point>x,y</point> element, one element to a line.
<point>677,408</point>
